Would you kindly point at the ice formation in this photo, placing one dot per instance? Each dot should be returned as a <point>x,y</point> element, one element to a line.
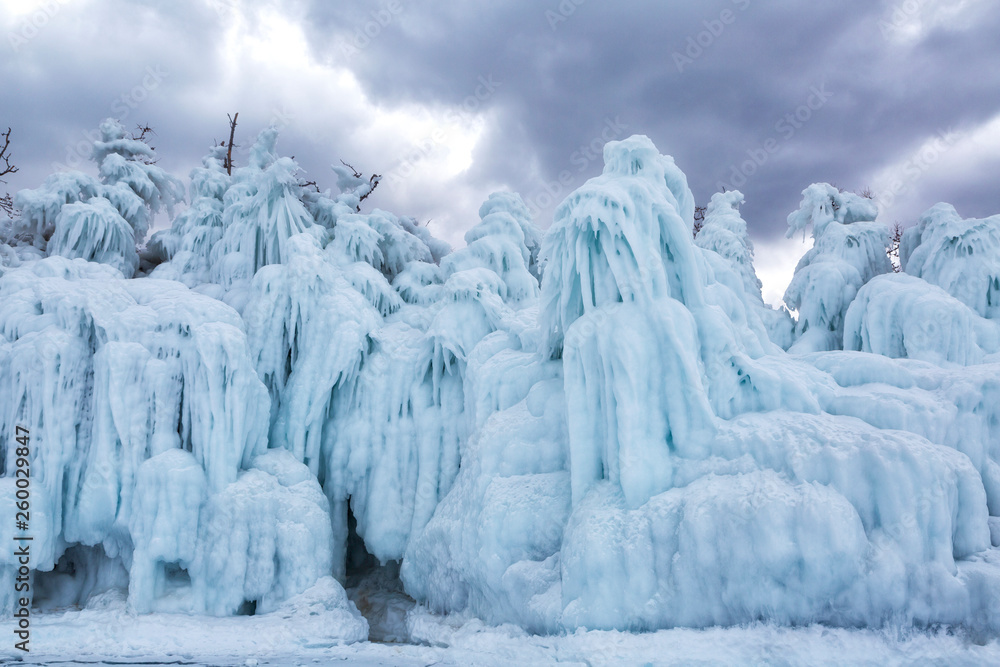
<point>961,256</point>
<point>596,428</point>
<point>103,219</point>
<point>848,251</point>
<point>724,232</point>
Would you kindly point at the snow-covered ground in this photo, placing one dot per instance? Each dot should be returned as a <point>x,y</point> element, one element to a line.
<point>112,636</point>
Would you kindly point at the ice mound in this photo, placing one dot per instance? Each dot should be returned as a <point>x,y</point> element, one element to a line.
<point>685,470</point>
<point>263,539</point>
<point>902,316</point>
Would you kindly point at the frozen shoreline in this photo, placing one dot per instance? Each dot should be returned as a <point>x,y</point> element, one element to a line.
<point>112,636</point>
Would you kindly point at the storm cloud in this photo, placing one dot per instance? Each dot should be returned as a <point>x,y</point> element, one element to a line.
<point>453,100</point>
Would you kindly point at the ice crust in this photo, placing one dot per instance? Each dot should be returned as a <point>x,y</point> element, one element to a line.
<point>599,428</point>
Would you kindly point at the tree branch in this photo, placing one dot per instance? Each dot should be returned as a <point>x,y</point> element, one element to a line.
<point>6,202</point>
<point>357,174</point>
<point>229,152</point>
<point>7,167</point>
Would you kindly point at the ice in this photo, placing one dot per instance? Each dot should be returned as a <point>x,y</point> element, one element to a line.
<point>724,232</point>
<point>94,231</point>
<point>902,316</point>
<point>130,184</point>
<point>848,251</point>
<point>307,329</point>
<point>107,373</point>
<point>961,256</point>
<point>601,428</point>
<point>263,539</point>
<point>164,524</point>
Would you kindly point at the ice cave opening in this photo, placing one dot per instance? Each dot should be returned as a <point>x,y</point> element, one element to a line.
<point>81,574</point>
<point>376,589</point>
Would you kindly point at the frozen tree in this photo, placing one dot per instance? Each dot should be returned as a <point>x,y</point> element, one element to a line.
<point>186,246</point>
<point>849,249</point>
<point>108,217</point>
<point>724,232</point>
<point>961,256</point>
<point>128,170</point>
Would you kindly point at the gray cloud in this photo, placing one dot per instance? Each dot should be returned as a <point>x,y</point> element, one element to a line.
<point>562,77</point>
<point>710,83</point>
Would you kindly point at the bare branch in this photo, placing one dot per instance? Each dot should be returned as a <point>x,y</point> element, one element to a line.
<point>143,131</point>
<point>7,205</point>
<point>699,219</point>
<point>7,167</point>
<point>6,202</point>
<point>357,174</point>
<point>229,152</point>
<point>896,235</point>
<point>373,182</point>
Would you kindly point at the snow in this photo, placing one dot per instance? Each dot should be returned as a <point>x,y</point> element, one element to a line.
<point>317,632</point>
<point>289,408</point>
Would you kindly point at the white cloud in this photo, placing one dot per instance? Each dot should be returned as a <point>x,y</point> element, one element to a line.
<point>775,263</point>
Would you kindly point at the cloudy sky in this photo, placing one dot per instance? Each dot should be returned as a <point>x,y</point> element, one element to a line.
<point>453,100</point>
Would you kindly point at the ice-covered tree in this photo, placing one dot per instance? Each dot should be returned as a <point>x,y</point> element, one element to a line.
<point>505,242</point>
<point>182,252</point>
<point>724,232</point>
<point>960,256</point>
<point>107,217</point>
<point>849,249</point>
<point>128,165</point>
